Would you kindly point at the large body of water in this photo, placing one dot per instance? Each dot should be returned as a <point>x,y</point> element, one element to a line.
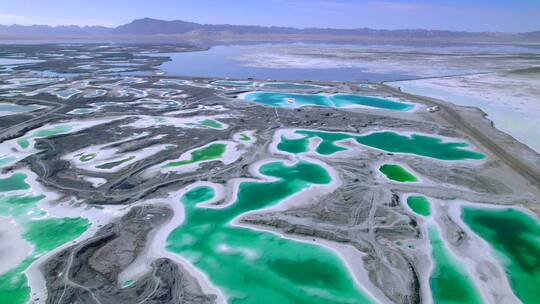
<point>222,62</point>
<point>347,62</point>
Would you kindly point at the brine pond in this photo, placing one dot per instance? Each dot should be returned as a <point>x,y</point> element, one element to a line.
<point>416,144</point>
<point>515,238</point>
<point>12,108</point>
<point>252,266</point>
<point>397,173</point>
<point>41,233</point>
<point>279,99</point>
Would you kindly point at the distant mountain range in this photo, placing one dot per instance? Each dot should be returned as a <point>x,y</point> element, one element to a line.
<point>154,27</point>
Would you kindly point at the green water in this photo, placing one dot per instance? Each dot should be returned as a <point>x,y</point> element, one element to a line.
<point>13,108</point>
<point>277,99</point>
<point>45,235</point>
<point>19,205</point>
<point>244,137</point>
<point>87,157</point>
<point>450,283</point>
<point>50,233</point>
<point>515,236</point>
<point>421,145</point>
<point>111,165</point>
<point>344,100</point>
<point>13,183</point>
<point>211,123</point>
<point>419,204</point>
<point>128,283</point>
<point>44,133</point>
<point>210,152</point>
<point>293,145</point>
<point>258,267</point>
<point>198,195</point>
<point>5,160</point>
<point>23,143</point>
<point>14,287</point>
<point>42,232</point>
<point>397,173</point>
<point>81,111</point>
<point>282,99</point>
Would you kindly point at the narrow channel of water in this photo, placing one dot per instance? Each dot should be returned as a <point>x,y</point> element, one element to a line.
<point>450,282</point>
<point>515,237</point>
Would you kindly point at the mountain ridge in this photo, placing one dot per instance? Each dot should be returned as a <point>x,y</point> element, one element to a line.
<point>153,27</point>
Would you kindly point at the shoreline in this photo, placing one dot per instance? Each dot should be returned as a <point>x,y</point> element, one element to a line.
<point>481,130</point>
<point>505,111</point>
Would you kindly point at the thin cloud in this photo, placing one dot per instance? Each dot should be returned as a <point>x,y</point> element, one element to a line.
<point>397,6</point>
<point>9,19</point>
<point>347,5</point>
<point>316,5</point>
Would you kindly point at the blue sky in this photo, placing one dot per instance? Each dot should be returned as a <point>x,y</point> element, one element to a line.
<point>472,15</point>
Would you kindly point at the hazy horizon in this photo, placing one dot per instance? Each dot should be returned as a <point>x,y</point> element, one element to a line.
<point>479,15</point>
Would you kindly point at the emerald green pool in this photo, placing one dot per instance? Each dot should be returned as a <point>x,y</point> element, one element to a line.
<point>244,137</point>
<point>515,237</point>
<point>388,141</point>
<point>87,157</point>
<point>13,183</point>
<point>293,145</point>
<point>128,283</point>
<point>5,160</point>
<point>450,283</point>
<point>198,195</point>
<point>279,99</point>
<point>212,123</point>
<point>419,204</point>
<point>252,266</point>
<point>43,232</point>
<point>397,173</point>
<point>210,152</point>
<point>45,235</point>
<point>19,205</point>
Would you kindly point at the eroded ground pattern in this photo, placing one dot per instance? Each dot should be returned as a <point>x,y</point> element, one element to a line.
<point>121,185</point>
